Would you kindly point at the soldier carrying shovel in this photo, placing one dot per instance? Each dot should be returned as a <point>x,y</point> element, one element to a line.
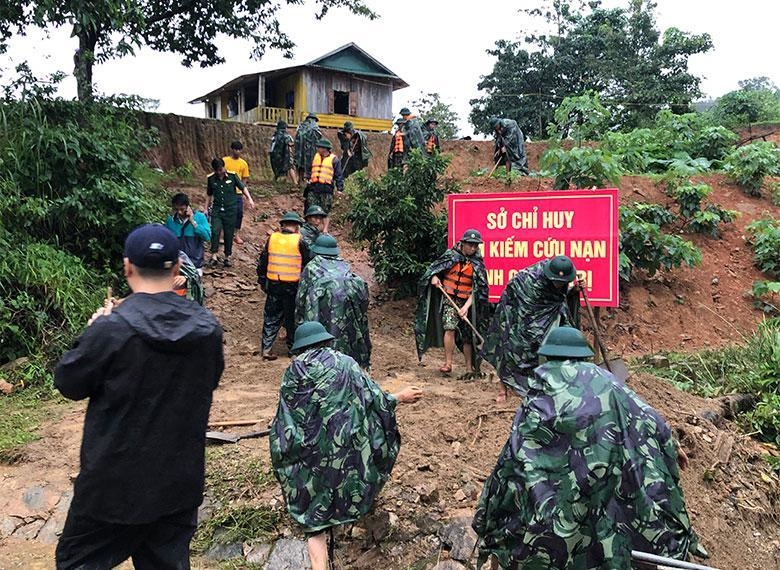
<point>452,292</point>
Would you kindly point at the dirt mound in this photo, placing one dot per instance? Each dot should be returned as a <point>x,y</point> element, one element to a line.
<point>452,437</point>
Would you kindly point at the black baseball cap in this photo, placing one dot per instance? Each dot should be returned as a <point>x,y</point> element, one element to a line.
<point>152,246</point>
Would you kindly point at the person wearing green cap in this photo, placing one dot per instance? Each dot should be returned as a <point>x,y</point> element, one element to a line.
<point>312,227</point>
<point>331,294</point>
<point>306,137</point>
<point>282,154</point>
<point>334,439</point>
<point>278,274</point>
<point>460,274</point>
<point>399,146</point>
<point>222,189</point>
<point>509,144</point>
<point>538,299</point>
<point>354,149</point>
<point>414,129</point>
<point>589,473</point>
<point>326,175</point>
<point>431,136</point>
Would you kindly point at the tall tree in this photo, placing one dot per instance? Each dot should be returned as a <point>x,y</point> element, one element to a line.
<point>431,106</point>
<point>113,28</point>
<point>617,53</point>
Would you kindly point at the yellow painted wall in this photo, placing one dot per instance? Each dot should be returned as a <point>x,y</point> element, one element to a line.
<point>361,123</point>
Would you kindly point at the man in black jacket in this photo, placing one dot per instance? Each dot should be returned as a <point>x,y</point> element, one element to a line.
<point>148,366</point>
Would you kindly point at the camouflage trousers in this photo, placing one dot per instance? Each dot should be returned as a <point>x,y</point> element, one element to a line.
<point>450,320</point>
<point>318,198</point>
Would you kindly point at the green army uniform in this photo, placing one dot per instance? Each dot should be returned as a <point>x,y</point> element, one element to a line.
<point>334,439</point>
<point>224,206</point>
<point>309,232</point>
<point>589,473</point>
<point>355,154</point>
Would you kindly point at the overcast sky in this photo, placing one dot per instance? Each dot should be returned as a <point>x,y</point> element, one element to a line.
<point>435,46</point>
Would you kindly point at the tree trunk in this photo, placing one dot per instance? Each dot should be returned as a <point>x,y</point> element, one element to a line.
<point>83,60</point>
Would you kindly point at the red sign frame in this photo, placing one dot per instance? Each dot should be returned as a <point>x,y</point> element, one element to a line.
<point>521,228</point>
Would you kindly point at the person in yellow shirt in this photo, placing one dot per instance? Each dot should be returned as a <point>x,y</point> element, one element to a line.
<point>237,165</point>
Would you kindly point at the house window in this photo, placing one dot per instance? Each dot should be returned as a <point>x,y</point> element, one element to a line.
<point>211,110</point>
<point>289,100</point>
<point>341,102</point>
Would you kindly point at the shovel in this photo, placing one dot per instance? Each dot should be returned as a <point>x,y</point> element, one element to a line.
<point>616,366</point>
<point>480,340</point>
<point>222,437</point>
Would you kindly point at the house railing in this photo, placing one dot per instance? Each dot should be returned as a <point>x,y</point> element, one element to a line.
<point>267,116</point>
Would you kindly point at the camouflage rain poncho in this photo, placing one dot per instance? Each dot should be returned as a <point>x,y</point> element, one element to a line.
<point>428,330</point>
<point>334,296</point>
<point>279,153</point>
<point>333,441</point>
<point>414,131</point>
<point>589,473</point>
<point>309,234</point>
<point>307,136</point>
<point>513,140</point>
<point>528,310</point>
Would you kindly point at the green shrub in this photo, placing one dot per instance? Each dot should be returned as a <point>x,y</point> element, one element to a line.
<point>396,215</point>
<point>764,238</point>
<point>766,295</point>
<point>748,165</point>
<point>653,213</point>
<point>643,245</point>
<point>580,167</point>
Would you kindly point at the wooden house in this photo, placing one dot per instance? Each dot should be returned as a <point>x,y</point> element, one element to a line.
<point>346,84</point>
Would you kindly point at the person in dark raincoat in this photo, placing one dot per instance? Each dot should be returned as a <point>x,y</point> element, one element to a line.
<point>460,272</point>
<point>536,300</point>
<point>431,136</point>
<point>312,227</point>
<point>589,473</point>
<point>282,154</point>
<point>334,439</point>
<point>306,136</point>
<point>331,294</point>
<point>509,144</point>
<point>414,129</point>
<point>354,149</point>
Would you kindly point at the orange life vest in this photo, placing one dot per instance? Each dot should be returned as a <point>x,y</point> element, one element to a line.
<point>399,142</point>
<point>284,257</point>
<point>430,144</point>
<point>322,169</point>
<point>459,280</point>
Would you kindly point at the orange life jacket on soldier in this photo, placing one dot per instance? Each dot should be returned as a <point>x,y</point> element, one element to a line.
<point>322,169</point>
<point>431,144</point>
<point>399,142</point>
<point>459,280</point>
<point>284,257</point>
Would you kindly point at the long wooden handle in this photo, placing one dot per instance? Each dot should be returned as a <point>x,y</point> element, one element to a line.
<point>596,330</point>
<point>494,167</point>
<point>468,322</point>
<point>228,423</point>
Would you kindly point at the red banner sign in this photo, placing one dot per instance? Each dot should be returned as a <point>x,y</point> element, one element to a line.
<point>520,229</point>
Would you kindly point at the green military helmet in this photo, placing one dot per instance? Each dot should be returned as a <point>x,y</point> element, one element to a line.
<point>315,211</point>
<point>324,143</point>
<point>348,126</point>
<point>312,116</point>
<point>281,125</point>
<point>471,236</point>
<point>308,334</point>
<point>405,111</point>
<point>326,245</point>
<point>566,342</point>
<point>560,268</point>
<point>291,217</point>
<point>400,121</point>
<point>433,120</point>
<point>493,121</point>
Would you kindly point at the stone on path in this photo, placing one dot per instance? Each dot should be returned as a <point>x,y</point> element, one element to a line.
<point>289,554</point>
<point>460,537</point>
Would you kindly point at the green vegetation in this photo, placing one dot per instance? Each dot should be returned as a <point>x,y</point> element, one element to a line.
<point>748,165</point>
<point>234,485</point>
<point>704,221</point>
<point>757,100</point>
<point>431,106</point>
<point>764,239</point>
<point>619,53</point>
<point>751,368</point>
<point>580,167</point>
<point>407,199</point>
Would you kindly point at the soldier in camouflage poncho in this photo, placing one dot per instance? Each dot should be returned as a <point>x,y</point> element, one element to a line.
<point>509,144</point>
<point>589,473</point>
<point>414,129</point>
<point>460,272</point>
<point>334,439</point>
<point>189,282</point>
<point>535,301</point>
<point>312,227</point>
<point>334,296</point>
<point>306,136</point>
<point>282,154</point>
